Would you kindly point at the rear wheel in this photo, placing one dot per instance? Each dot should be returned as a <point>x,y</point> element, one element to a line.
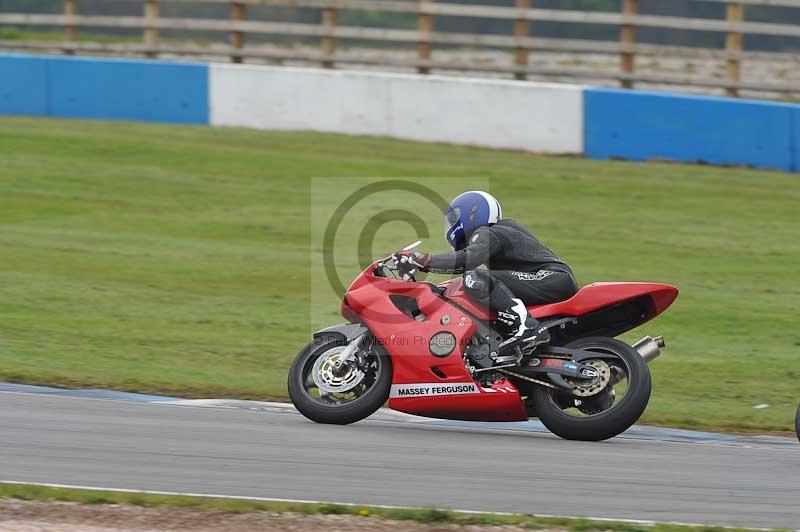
<point>325,394</point>
<point>608,405</point>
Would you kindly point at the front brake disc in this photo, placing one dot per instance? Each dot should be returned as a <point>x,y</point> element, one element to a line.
<point>329,379</point>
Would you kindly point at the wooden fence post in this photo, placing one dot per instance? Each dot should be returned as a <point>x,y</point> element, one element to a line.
<point>70,30</point>
<point>733,44</point>
<point>425,22</point>
<point>151,13</point>
<point>329,40</point>
<point>238,12</point>
<point>521,28</point>
<point>627,36</point>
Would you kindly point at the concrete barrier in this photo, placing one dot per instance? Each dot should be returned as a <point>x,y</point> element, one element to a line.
<point>23,85</point>
<point>641,126</point>
<point>500,114</point>
<point>128,90</point>
<point>109,89</point>
<point>795,139</point>
<point>537,117</point>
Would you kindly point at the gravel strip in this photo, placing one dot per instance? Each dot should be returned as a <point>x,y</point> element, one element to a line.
<point>29,516</point>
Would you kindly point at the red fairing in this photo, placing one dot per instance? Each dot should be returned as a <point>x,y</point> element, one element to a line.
<point>500,402</point>
<point>588,299</point>
<point>424,384</point>
<point>600,295</point>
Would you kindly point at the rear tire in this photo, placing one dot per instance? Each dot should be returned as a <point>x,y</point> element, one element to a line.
<point>612,422</point>
<point>341,414</point>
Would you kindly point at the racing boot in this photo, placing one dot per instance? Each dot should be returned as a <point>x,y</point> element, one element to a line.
<point>523,330</point>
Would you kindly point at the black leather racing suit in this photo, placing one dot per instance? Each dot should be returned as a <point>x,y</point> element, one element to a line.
<point>520,266</point>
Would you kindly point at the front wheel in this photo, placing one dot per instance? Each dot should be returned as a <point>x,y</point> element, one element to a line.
<point>326,394</point>
<point>606,406</point>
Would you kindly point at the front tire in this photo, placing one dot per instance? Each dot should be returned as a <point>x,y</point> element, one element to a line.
<point>339,409</point>
<point>617,417</point>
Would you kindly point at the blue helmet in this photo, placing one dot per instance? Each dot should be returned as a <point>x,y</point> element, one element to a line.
<point>468,212</point>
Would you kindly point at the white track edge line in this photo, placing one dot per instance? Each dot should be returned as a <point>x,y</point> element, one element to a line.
<point>350,504</point>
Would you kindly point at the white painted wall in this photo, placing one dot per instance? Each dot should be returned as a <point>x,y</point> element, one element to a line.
<point>536,117</point>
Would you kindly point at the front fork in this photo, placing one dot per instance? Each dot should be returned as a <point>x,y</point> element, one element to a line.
<point>349,353</point>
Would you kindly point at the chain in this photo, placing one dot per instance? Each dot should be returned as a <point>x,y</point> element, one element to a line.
<point>537,381</point>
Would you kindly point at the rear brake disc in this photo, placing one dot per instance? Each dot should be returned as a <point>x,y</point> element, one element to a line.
<point>593,386</point>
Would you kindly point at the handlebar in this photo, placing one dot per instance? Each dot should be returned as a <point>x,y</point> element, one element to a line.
<point>386,264</point>
<point>383,266</point>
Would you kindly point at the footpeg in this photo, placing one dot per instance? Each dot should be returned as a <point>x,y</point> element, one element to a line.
<point>515,359</point>
<point>507,359</point>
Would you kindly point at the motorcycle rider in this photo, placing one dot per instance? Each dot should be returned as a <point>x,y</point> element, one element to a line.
<point>521,270</point>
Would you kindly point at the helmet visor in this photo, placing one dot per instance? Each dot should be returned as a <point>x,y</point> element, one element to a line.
<point>451,218</point>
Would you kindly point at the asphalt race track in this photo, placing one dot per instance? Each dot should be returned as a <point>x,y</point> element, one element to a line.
<point>268,450</point>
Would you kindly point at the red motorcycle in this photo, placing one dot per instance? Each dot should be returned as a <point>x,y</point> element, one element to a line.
<point>431,351</point>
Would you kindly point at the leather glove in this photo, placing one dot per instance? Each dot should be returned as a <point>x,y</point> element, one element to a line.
<point>407,262</point>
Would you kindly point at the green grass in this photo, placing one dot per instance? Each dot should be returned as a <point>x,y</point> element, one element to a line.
<point>424,515</point>
<point>185,260</point>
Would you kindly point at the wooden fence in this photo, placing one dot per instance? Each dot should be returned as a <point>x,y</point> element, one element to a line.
<point>520,45</point>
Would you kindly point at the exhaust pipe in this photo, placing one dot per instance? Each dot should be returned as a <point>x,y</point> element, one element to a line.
<point>650,348</point>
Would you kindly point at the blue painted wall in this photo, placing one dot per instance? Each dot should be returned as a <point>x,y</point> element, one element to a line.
<point>128,90</point>
<point>796,139</point>
<point>109,89</point>
<point>641,125</point>
<point>23,85</point>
